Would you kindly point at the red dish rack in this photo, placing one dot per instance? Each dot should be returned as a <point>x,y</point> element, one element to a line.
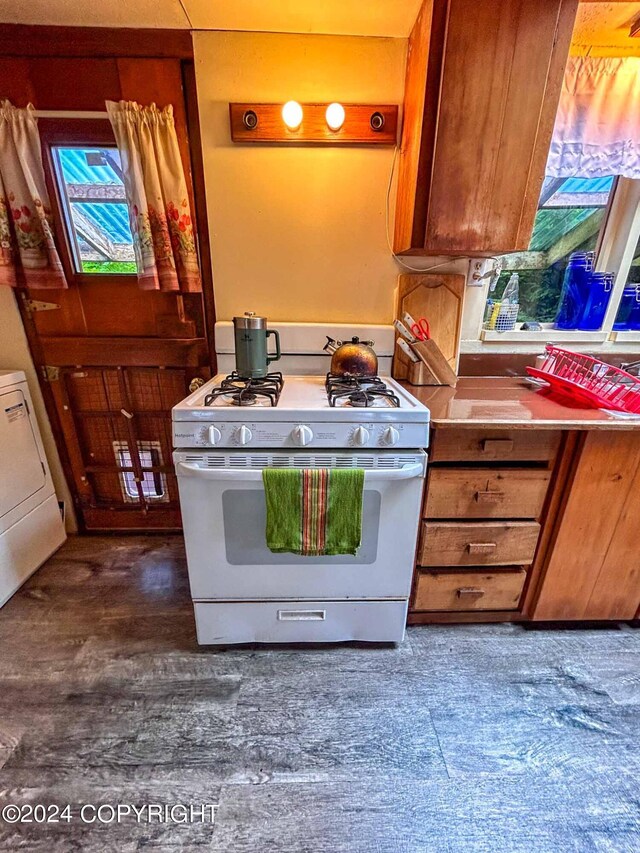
<point>589,380</point>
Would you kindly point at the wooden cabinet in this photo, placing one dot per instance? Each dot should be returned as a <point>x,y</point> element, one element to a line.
<point>592,567</point>
<point>481,93</point>
<point>444,590</point>
<point>478,543</point>
<point>550,532</point>
<point>486,493</point>
<point>493,445</point>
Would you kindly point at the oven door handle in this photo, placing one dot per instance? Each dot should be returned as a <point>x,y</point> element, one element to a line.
<point>244,475</point>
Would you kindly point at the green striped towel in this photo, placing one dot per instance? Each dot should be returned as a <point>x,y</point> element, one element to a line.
<point>314,511</point>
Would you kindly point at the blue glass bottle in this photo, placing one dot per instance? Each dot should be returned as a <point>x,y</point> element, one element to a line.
<point>628,316</point>
<point>600,287</point>
<point>575,290</point>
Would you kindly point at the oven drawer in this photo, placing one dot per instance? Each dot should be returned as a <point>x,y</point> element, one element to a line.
<point>299,621</point>
<point>489,445</point>
<point>478,543</point>
<point>472,589</point>
<point>486,492</point>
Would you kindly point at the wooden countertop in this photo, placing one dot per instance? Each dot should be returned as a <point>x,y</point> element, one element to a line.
<point>510,402</point>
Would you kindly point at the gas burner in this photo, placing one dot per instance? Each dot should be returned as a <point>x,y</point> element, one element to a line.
<point>359,391</point>
<point>246,391</point>
<point>244,398</point>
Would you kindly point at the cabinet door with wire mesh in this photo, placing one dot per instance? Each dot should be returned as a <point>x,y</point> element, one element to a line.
<point>117,423</point>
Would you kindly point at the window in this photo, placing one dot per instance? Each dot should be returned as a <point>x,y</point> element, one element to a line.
<point>94,209</point>
<point>571,212</point>
<point>574,214</point>
<point>153,482</point>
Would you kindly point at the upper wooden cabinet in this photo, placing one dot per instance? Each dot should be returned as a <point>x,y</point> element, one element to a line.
<point>481,93</point>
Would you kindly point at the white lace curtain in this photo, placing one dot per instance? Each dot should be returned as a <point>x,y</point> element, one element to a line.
<point>159,211</point>
<point>597,129</point>
<point>28,256</point>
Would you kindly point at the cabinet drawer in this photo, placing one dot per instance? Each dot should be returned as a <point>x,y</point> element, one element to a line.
<point>486,492</point>
<point>478,543</point>
<point>469,590</point>
<point>482,445</point>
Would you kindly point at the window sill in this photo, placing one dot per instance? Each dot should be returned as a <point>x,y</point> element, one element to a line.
<point>514,344</point>
<point>626,337</point>
<point>544,336</point>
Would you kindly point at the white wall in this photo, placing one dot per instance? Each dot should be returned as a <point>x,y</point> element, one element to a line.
<point>15,355</point>
<point>297,232</point>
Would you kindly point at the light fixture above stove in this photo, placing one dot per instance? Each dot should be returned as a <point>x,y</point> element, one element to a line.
<point>304,123</point>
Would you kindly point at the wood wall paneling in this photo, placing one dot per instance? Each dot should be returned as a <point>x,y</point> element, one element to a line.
<point>91,42</point>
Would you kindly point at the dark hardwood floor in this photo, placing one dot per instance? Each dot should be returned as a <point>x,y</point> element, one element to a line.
<point>475,738</point>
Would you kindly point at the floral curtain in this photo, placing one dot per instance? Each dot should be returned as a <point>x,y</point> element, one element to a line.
<point>28,256</point>
<point>156,189</point>
<point>597,129</point>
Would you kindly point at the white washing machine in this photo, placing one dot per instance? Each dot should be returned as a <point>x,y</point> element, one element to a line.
<point>31,527</point>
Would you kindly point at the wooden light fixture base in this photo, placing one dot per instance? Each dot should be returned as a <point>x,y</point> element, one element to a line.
<point>364,124</point>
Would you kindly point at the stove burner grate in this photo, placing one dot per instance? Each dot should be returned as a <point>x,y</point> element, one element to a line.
<point>359,391</point>
<point>245,392</point>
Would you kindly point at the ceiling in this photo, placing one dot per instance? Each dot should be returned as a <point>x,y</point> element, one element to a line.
<point>598,23</point>
<point>606,25</point>
<point>343,17</point>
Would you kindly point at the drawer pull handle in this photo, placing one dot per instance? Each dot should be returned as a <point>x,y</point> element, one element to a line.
<point>481,547</point>
<point>471,591</point>
<point>489,497</point>
<point>497,445</point>
<point>302,615</point>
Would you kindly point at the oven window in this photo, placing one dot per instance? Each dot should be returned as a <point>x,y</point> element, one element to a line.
<point>244,517</point>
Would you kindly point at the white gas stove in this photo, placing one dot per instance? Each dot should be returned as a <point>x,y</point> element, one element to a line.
<point>226,433</point>
<point>304,415</point>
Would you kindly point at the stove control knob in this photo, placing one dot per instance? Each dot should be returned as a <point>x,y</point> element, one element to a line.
<point>214,435</point>
<point>360,436</point>
<point>244,435</point>
<point>390,436</point>
<point>302,435</point>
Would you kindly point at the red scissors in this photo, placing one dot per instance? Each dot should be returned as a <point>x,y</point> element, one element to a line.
<point>420,330</point>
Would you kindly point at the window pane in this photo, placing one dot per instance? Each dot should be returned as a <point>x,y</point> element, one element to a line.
<point>153,482</point>
<point>570,215</point>
<point>628,316</point>
<point>634,272</point>
<point>95,209</point>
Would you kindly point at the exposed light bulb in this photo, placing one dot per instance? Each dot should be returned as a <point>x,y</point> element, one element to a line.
<point>292,115</point>
<point>335,116</point>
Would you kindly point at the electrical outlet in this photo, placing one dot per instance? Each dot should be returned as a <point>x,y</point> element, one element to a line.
<point>481,269</point>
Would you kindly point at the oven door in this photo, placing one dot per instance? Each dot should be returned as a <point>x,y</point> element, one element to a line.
<point>224,515</point>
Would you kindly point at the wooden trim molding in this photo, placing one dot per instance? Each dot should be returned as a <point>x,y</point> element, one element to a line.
<point>199,191</point>
<point>94,42</point>
<point>130,351</point>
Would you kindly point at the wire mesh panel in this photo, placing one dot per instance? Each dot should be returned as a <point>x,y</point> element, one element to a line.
<point>122,426</point>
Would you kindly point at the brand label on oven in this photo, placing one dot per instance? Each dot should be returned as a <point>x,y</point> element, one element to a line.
<point>15,412</point>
